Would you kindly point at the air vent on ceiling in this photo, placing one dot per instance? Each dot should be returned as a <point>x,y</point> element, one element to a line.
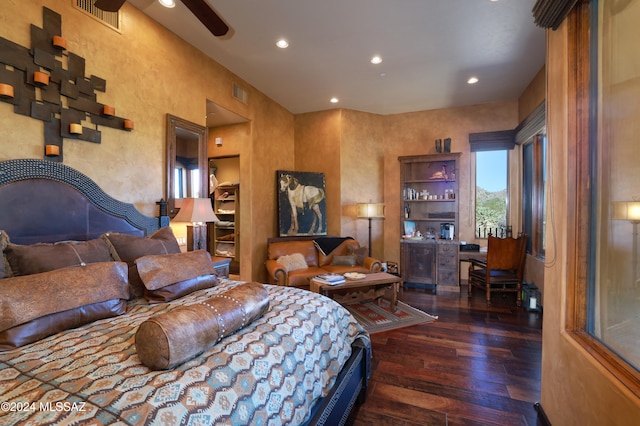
<point>240,94</point>
<point>110,18</point>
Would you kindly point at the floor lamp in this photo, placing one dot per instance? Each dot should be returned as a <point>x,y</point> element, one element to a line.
<point>370,211</point>
<point>630,210</point>
<point>198,212</point>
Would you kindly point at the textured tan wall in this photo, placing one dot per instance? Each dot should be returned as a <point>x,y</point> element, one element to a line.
<point>317,149</point>
<point>364,148</point>
<point>151,72</point>
<point>533,95</point>
<point>362,176</point>
<point>576,390</point>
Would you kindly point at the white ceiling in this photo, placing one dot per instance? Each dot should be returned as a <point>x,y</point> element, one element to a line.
<point>429,49</point>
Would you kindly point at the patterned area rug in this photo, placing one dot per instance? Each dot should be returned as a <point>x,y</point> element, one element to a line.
<point>376,318</point>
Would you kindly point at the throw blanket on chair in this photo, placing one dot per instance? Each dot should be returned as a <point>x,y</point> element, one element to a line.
<point>327,244</point>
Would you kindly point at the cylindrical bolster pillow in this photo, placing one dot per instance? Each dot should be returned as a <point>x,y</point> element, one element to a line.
<point>172,338</point>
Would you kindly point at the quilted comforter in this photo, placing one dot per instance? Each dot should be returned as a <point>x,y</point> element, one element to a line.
<point>270,372</point>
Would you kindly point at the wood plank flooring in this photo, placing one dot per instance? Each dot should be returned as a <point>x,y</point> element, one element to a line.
<point>474,366</point>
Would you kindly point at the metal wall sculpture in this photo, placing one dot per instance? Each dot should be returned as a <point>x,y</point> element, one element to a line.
<point>38,85</point>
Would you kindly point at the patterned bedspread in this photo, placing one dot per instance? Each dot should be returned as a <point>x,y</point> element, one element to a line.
<point>269,373</point>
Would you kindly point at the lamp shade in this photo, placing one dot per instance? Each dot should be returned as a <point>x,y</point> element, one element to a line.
<point>370,210</point>
<point>626,210</point>
<point>196,210</point>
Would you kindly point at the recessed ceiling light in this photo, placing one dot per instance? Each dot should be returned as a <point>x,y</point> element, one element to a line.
<point>282,43</point>
<point>334,100</point>
<point>472,80</point>
<point>167,3</point>
<point>376,60</point>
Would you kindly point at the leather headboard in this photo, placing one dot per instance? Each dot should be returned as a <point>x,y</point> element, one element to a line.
<point>42,201</point>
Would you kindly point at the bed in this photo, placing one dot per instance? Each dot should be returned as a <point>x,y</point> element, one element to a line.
<point>303,359</point>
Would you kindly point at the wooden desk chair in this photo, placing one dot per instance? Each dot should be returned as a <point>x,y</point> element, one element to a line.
<point>503,270</point>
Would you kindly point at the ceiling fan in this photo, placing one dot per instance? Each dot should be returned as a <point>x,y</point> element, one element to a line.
<point>200,9</point>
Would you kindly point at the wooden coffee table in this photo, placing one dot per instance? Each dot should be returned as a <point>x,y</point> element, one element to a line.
<point>373,286</point>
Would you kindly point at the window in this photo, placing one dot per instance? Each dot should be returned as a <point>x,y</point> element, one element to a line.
<point>491,193</point>
<point>603,312</point>
<point>533,193</point>
<point>613,303</point>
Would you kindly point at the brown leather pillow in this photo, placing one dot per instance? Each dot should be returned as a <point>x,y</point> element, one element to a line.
<point>43,257</point>
<point>169,339</point>
<point>128,248</point>
<point>344,260</point>
<point>170,276</point>
<point>58,300</point>
<point>4,241</point>
<point>359,253</point>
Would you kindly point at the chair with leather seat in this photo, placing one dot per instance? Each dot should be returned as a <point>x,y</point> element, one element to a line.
<point>503,269</point>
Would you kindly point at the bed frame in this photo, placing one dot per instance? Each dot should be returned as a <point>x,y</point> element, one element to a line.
<point>43,201</point>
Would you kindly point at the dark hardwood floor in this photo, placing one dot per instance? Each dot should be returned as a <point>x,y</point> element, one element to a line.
<point>474,366</point>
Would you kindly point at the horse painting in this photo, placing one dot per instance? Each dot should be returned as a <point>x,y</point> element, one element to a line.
<point>301,203</point>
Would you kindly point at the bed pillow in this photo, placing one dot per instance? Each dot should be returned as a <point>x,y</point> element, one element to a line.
<point>44,257</point>
<point>59,300</point>
<point>128,248</point>
<point>359,253</point>
<point>169,339</point>
<point>4,241</point>
<point>344,260</point>
<point>169,276</point>
<point>293,262</point>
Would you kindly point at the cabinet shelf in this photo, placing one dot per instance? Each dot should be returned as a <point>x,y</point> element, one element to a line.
<point>225,235</point>
<point>432,219</point>
<point>430,181</point>
<point>449,200</point>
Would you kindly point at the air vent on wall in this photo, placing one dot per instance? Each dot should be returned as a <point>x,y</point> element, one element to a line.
<point>110,18</point>
<point>240,94</point>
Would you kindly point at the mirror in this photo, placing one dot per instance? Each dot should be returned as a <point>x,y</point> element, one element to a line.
<point>186,161</point>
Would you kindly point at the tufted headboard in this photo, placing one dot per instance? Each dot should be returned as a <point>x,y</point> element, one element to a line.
<point>43,201</point>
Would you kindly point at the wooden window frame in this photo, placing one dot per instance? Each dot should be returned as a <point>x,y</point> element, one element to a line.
<point>581,126</point>
<point>536,203</point>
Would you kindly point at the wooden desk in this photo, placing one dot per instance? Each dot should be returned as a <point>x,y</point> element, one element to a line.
<point>465,256</point>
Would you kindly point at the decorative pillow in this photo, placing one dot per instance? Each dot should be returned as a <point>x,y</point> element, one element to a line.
<point>60,299</point>
<point>169,276</point>
<point>292,262</point>
<point>169,339</point>
<point>344,260</point>
<point>44,257</point>
<point>359,254</point>
<point>4,241</point>
<point>127,248</point>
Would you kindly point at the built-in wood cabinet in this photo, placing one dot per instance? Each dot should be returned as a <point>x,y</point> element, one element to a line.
<point>226,232</point>
<point>429,188</point>
<point>418,263</point>
<point>429,225</point>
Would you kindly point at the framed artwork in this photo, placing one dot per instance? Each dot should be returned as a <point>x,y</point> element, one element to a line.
<point>301,203</point>
<point>409,227</point>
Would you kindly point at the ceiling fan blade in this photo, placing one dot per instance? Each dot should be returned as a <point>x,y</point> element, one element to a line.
<point>109,5</point>
<point>206,15</point>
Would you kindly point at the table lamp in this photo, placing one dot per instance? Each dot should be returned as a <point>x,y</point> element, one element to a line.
<point>630,210</point>
<point>198,212</point>
<point>370,211</point>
